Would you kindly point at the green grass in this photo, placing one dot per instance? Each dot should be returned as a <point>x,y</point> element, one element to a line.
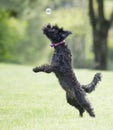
<point>30,101</point>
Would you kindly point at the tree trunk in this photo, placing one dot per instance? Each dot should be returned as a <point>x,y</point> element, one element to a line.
<point>100,27</point>
<point>100,50</point>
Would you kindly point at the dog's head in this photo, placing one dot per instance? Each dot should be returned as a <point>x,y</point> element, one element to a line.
<point>54,33</point>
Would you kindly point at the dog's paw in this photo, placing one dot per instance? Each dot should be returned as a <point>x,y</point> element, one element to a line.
<point>98,77</point>
<point>35,69</point>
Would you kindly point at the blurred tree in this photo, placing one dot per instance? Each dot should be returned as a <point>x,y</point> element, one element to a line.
<point>9,35</point>
<point>100,27</point>
<point>22,21</point>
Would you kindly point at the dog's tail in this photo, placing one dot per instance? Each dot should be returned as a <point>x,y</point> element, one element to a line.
<point>91,86</point>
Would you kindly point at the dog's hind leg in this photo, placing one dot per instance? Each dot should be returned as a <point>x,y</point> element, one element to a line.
<point>90,87</point>
<point>74,103</point>
<point>82,100</point>
<point>86,105</point>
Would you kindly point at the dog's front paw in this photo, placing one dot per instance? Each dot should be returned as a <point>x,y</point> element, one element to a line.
<point>35,69</point>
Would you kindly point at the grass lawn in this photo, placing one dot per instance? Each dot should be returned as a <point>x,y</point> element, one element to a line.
<point>30,101</point>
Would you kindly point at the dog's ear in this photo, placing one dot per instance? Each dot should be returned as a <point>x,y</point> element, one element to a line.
<point>65,33</point>
<point>69,32</point>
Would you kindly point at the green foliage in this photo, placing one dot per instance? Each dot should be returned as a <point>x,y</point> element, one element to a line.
<point>11,32</point>
<point>7,36</point>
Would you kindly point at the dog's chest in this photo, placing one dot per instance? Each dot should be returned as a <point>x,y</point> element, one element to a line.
<point>65,81</point>
<point>62,59</point>
<point>54,59</point>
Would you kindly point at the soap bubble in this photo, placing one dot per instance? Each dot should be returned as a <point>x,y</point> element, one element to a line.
<point>48,11</point>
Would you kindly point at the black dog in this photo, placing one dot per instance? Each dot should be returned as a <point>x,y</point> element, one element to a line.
<point>61,66</point>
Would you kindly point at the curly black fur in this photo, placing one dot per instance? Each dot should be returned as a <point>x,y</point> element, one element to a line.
<point>61,66</point>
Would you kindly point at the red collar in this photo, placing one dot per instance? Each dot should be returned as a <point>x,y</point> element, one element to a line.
<point>57,44</point>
